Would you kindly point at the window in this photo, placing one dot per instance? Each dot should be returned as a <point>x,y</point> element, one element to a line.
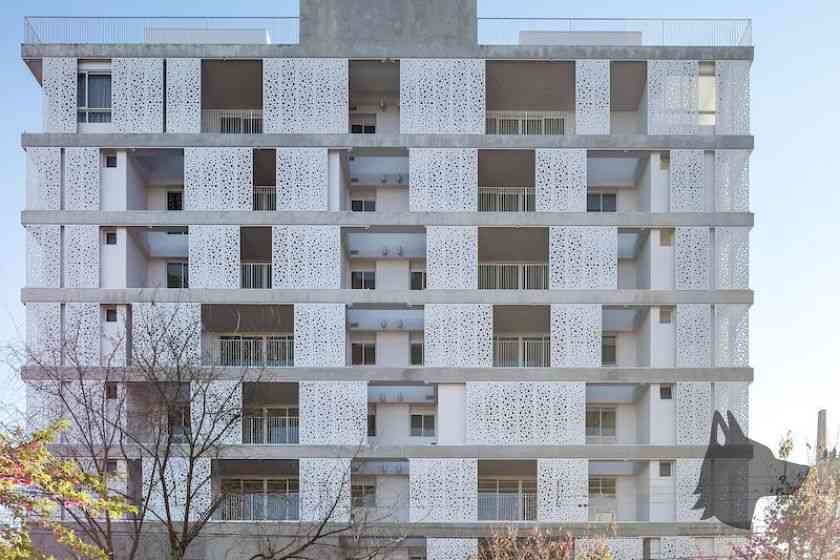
<point>363,353</point>
<point>177,275</point>
<point>665,314</point>
<point>362,205</point>
<point>363,493</point>
<point>417,353</point>
<point>418,279</point>
<point>110,315</point>
<point>599,486</point>
<point>110,238</point>
<point>664,469</point>
<point>608,350</point>
<point>666,392</point>
<point>179,421</point>
<point>175,200</point>
<point>371,424</point>
<point>423,425</point>
<point>94,97</point>
<point>707,95</point>
<point>600,422</point>
<point>110,391</point>
<point>362,123</point>
<point>601,202</point>
<point>363,280</point>
<point>666,237</point>
<point>111,160</point>
<point>111,466</point>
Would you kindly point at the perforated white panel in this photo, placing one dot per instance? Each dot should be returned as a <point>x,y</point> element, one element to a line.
<point>43,404</point>
<point>302,181</point>
<point>59,94</point>
<point>176,472</point>
<point>562,490</point>
<point>672,96</point>
<point>43,333</point>
<point>81,334</point>
<point>43,256</point>
<point>320,335</point>
<point>452,257</point>
<point>688,475</point>
<point>168,334</point>
<point>306,257</point>
<point>137,94</point>
<point>726,546</point>
<point>333,412</point>
<point>734,397</point>
<point>218,179</point>
<point>694,413</point>
<point>732,253</point>
<point>688,191</point>
<point>451,549</point>
<point>677,548</point>
<point>733,96</point>
<point>81,179</point>
<point>43,178</point>
<point>442,96</point>
<point>183,95</point>
<point>459,335</point>
<point>81,256</point>
<point>443,490</point>
<point>732,178</point>
<point>560,180</point>
<point>592,97</point>
<point>325,483</point>
<point>583,257</point>
<point>692,258</point>
<point>576,335</point>
<point>443,179</point>
<point>214,256</point>
<point>305,95</point>
<point>519,413</point>
<point>694,335</point>
<point>216,411</point>
<point>621,548</point>
<point>732,326</point>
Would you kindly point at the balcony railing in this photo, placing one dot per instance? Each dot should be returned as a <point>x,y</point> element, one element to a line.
<point>616,31</point>
<point>506,507</point>
<point>519,123</point>
<point>259,507</point>
<point>526,351</point>
<point>506,199</point>
<point>207,30</point>
<point>265,198</point>
<point>513,276</point>
<point>232,121</point>
<point>255,351</point>
<point>255,275</point>
<point>270,429</point>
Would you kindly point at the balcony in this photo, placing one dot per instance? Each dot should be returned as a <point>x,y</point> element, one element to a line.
<point>265,198</point>
<point>528,123</point>
<point>231,96</point>
<point>255,275</point>
<point>259,507</point>
<point>232,121</point>
<point>513,276</point>
<point>524,351</point>
<point>506,199</point>
<point>269,428</point>
<point>494,506</point>
<point>530,98</point>
<point>275,350</point>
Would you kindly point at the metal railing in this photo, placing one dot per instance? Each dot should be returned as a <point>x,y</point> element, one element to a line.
<point>506,199</point>
<point>518,123</point>
<point>259,507</point>
<point>615,31</point>
<point>521,351</point>
<point>232,121</point>
<point>207,30</point>
<point>265,198</point>
<point>513,276</point>
<point>255,275</point>
<point>270,429</point>
<point>494,506</point>
<point>255,351</point>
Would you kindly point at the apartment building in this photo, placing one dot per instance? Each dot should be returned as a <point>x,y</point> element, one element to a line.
<point>498,269</point>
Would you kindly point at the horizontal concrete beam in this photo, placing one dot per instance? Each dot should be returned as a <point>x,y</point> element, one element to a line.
<point>399,297</point>
<point>369,49</point>
<point>385,219</point>
<point>592,142</point>
<point>415,375</point>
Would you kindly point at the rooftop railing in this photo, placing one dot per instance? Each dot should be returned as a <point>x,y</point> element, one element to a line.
<point>615,32</point>
<point>206,30</point>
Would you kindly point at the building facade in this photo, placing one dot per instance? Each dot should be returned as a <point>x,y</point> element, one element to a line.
<point>500,274</point>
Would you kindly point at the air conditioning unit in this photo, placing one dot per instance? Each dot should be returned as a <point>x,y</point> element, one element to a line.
<point>400,250</point>
<point>354,325</point>
<point>383,324</point>
<point>384,251</point>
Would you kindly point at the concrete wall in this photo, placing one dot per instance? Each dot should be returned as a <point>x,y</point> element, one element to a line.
<point>661,262</point>
<point>135,187</point>
<point>659,185</point>
<point>393,425</point>
<point>392,349</point>
<point>662,499</point>
<point>135,261</point>
<point>112,184</point>
<point>392,200</point>
<point>451,419</point>
<point>392,275</point>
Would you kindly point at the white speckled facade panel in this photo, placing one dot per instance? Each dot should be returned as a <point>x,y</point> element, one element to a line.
<point>305,95</point>
<point>320,334</point>
<point>306,257</point>
<point>592,97</point>
<point>732,328</point>
<point>59,94</point>
<point>732,257</point>
<point>442,96</point>
<point>81,179</point>
<point>302,179</point>
<point>82,332</point>
<point>583,257</point>
<point>694,412</point>
<point>43,178</point>
<point>451,549</point>
<point>687,181</point>
<point>694,335</point>
<point>732,179</point>
<point>452,257</point>
<point>733,96</point>
<point>81,256</point>
<point>43,256</point>
<point>43,333</point>
<point>333,412</point>
<point>214,256</point>
<point>183,95</point>
<point>443,490</point>
<point>672,96</point>
<point>560,180</point>
<point>325,489</point>
<point>692,258</point>
<point>620,548</point>
<point>733,397</point>
<point>168,334</point>
<point>218,178</point>
<point>443,179</point>
<point>458,335</point>
<point>175,473</point>
<point>216,411</point>
<point>687,478</point>
<point>562,490</point>
<point>137,95</point>
<point>576,331</point>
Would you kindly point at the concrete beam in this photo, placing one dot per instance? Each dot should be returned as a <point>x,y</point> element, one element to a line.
<point>399,297</point>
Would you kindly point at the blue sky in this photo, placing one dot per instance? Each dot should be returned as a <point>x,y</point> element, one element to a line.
<point>795,269</point>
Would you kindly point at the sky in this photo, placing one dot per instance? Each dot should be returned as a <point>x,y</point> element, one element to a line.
<point>795,195</point>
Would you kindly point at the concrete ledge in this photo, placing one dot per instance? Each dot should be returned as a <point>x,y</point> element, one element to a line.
<point>399,297</point>
<point>416,375</point>
<point>594,142</point>
<point>361,219</point>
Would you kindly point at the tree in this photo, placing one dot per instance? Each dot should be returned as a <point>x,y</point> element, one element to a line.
<point>34,483</point>
<point>541,544</point>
